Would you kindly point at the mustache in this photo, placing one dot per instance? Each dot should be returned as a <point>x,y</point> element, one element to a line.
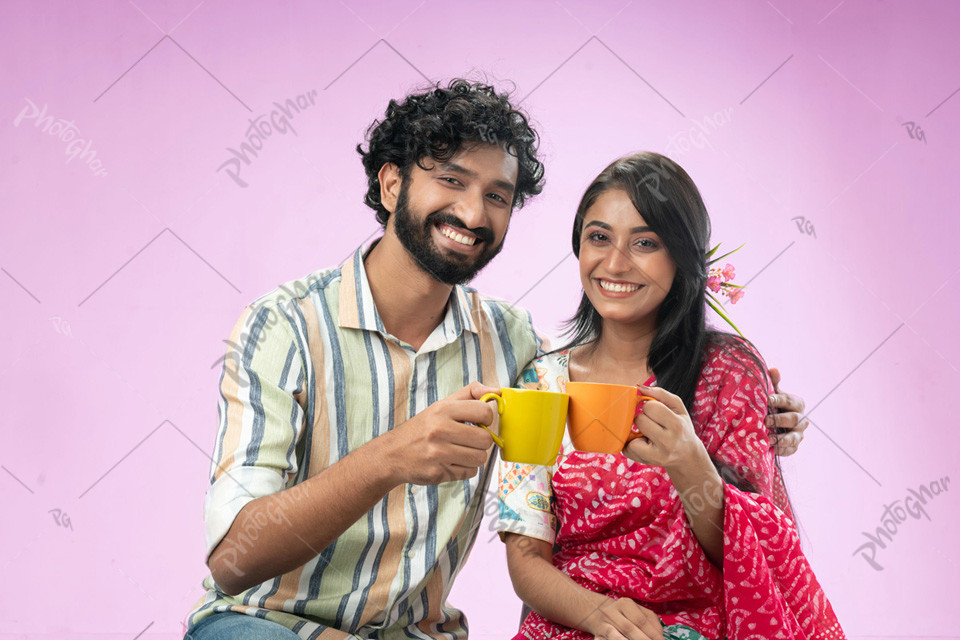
<point>440,217</point>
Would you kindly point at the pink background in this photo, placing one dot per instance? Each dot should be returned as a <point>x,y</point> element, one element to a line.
<point>119,288</point>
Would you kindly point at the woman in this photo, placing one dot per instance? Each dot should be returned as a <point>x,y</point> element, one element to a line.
<point>688,533</point>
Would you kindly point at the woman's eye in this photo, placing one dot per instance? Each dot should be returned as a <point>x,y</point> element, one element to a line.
<point>450,180</point>
<point>596,236</point>
<point>646,243</point>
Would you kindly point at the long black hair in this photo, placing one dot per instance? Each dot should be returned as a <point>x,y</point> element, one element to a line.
<point>672,207</point>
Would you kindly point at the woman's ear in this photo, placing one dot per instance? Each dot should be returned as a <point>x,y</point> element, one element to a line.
<point>390,181</point>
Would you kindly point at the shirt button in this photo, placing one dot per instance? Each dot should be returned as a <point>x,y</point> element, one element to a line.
<point>411,553</point>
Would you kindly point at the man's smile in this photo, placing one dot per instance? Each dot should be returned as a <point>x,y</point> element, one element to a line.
<point>462,236</point>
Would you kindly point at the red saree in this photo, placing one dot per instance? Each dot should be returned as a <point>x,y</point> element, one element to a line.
<point>621,529</point>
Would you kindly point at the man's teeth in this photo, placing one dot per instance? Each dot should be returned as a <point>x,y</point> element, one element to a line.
<point>453,235</point>
<point>619,288</point>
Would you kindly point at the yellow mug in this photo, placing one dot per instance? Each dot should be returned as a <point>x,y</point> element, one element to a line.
<point>601,415</point>
<point>531,424</point>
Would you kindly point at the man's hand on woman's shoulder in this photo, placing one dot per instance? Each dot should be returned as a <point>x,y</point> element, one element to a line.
<point>785,422</point>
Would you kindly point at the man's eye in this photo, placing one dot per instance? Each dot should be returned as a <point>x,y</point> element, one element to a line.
<point>450,180</point>
<point>499,197</point>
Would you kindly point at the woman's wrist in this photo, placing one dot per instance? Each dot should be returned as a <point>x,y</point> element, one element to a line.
<point>693,468</point>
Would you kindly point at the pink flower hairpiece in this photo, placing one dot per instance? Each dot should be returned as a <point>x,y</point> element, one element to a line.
<point>720,281</point>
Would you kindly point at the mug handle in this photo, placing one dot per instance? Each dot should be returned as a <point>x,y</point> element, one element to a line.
<point>485,398</point>
<point>640,400</point>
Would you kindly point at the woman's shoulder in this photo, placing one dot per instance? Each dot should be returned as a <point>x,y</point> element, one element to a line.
<point>545,371</point>
<point>729,358</point>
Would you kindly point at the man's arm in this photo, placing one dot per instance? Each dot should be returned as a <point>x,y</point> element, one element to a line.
<point>289,528</point>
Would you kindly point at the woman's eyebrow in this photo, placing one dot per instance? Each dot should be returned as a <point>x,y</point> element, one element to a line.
<point>604,225</point>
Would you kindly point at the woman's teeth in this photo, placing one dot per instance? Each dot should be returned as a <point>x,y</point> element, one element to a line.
<point>617,287</point>
<point>453,235</point>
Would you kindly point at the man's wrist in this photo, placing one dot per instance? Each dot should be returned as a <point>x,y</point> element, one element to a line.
<point>381,464</point>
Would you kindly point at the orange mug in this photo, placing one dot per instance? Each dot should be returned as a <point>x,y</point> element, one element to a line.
<point>600,416</point>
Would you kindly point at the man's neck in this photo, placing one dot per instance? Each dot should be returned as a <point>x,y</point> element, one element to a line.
<point>411,302</point>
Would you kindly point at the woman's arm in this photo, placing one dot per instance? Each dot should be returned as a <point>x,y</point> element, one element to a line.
<point>701,492</point>
<point>556,597</point>
<point>670,441</point>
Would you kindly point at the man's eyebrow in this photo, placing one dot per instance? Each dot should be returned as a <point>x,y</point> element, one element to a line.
<point>509,187</point>
<point>456,168</point>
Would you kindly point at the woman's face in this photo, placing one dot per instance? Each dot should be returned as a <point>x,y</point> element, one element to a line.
<point>624,266</point>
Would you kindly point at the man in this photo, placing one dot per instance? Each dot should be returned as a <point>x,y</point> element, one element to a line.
<point>348,477</point>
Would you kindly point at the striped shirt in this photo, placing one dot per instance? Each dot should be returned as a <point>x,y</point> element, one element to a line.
<point>312,374</point>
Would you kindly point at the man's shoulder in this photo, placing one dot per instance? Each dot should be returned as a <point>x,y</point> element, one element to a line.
<point>511,322</point>
<point>298,288</point>
<point>510,313</point>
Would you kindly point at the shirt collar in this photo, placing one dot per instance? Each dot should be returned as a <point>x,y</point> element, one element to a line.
<point>358,311</point>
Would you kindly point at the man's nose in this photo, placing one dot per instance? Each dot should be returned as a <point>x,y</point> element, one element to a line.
<point>469,209</point>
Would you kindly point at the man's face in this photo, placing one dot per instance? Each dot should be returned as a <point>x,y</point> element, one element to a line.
<point>453,218</point>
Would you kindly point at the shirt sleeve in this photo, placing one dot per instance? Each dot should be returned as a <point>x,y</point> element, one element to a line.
<point>525,493</point>
<point>260,418</point>
<point>525,499</point>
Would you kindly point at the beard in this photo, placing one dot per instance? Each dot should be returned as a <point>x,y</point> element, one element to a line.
<point>445,266</point>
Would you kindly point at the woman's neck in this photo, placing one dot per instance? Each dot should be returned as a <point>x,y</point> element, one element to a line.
<point>618,356</point>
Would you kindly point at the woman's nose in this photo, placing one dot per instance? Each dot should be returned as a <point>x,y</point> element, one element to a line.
<point>617,261</point>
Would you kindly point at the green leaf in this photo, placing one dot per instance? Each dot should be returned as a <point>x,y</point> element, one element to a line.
<point>712,251</point>
<point>715,305</point>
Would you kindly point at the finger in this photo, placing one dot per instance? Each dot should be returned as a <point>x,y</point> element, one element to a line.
<point>473,411</point>
<point>786,402</point>
<point>788,443</point>
<point>658,414</point>
<point>774,421</point>
<point>673,402</point>
<point>641,450</point>
<point>469,457</point>
<point>627,629</point>
<point>644,619</point>
<point>775,378</point>
<point>610,634</point>
<point>473,391</point>
<point>785,422</point>
<point>649,427</point>
<point>450,472</point>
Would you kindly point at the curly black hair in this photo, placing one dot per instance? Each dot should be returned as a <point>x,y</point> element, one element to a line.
<point>436,124</point>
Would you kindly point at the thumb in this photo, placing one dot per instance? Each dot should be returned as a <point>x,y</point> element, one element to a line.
<point>775,377</point>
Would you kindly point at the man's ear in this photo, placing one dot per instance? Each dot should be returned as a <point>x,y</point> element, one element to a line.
<point>389,186</point>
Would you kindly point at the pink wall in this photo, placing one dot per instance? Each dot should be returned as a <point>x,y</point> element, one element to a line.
<point>121,276</point>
